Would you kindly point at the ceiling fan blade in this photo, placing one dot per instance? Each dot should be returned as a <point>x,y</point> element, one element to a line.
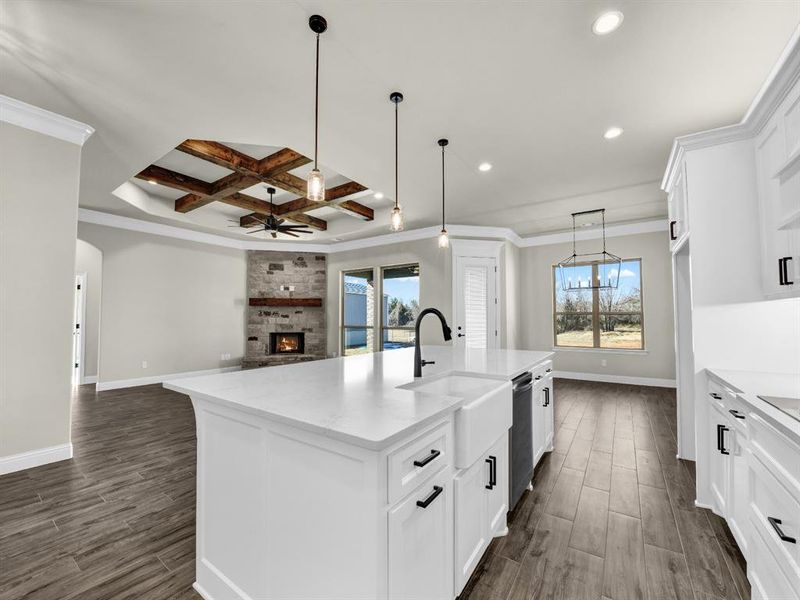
<point>289,233</point>
<point>256,231</point>
<point>279,221</point>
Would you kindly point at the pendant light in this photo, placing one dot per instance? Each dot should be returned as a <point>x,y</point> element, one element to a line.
<point>444,240</point>
<point>397,213</point>
<point>316,181</point>
<point>589,270</point>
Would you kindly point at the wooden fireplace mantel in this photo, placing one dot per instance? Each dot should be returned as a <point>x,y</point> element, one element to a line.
<point>310,302</point>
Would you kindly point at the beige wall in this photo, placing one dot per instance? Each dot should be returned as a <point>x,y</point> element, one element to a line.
<point>89,260</point>
<point>435,272</point>
<point>37,255</point>
<point>176,304</point>
<point>536,297</point>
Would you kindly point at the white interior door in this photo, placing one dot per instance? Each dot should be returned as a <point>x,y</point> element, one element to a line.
<point>475,300</point>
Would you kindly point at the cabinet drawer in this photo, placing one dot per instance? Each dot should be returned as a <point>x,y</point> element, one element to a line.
<point>430,451</point>
<point>542,370</point>
<point>780,454</point>
<point>768,581</point>
<point>774,511</point>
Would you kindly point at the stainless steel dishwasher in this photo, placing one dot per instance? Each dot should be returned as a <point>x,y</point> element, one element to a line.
<point>521,444</point>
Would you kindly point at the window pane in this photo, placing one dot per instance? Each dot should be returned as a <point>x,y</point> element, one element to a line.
<point>358,340</point>
<point>621,331</point>
<point>359,298</point>
<point>574,330</point>
<point>397,338</point>
<point>627,296</point>
<point>400,296</point>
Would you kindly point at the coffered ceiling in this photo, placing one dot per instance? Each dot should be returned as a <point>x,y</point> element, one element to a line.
<point>524,86</point>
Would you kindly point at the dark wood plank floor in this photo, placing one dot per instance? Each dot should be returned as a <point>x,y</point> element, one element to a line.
<point>611,515</point>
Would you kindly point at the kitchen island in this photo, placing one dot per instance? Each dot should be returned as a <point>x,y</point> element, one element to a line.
<point>347,478</point>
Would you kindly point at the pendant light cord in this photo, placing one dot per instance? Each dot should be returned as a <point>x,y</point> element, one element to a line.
<point>443,188</point>
<point>396,153</point>
<point>316,107</point>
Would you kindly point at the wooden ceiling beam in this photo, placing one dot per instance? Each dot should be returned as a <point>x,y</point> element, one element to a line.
<point>175,180</point>
<point>275,164</point>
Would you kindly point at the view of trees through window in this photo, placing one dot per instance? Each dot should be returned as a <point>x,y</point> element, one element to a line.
<point>602,318</point>
<point>401,305</point>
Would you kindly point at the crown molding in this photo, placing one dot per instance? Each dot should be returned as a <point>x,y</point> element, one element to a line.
<point>43,121</point>
<point>470,232</point>
<point>777,85</point>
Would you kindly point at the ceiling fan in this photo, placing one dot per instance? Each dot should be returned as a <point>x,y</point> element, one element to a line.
<point>274,225</point>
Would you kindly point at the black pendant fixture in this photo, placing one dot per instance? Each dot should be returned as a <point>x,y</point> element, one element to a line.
<point>444,240</point>
<point>590,270</point>
<point>397,213</point>
<point>316,181</point>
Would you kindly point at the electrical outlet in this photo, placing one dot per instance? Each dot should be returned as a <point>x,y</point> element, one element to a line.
<point>604,362</point>
<point>144,364</point>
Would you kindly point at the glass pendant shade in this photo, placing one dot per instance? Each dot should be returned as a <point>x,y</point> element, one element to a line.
<point>397,219</point>
<point>444,239</point>
<point>316,186</point>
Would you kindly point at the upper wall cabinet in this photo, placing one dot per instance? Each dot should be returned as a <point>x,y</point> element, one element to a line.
<point>778,165</point>
<point>741,186</point>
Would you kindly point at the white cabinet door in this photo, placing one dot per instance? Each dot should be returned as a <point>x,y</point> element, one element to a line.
<point>538,426</point>
<point>421,543</point>
<point>739,498</point>
<point>719,430</point>
<point>471,532</point>
<point>548,414</point>
<point>763,570</point>
<point>678,210</point>
<point>497,493</point>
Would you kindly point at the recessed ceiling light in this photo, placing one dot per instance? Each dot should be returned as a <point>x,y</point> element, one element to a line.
<point>152,182</point>
<point>485,166</point>
<point>613,132</point>
<point>607,22</point>
<point>378,195</point>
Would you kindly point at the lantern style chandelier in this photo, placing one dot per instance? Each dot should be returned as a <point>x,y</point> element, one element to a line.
<point>591,270</point>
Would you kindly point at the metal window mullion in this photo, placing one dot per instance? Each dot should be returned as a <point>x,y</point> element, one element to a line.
<point>595,309</point>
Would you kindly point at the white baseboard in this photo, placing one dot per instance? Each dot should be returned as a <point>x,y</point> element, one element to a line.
<point>126,383</point>
<point>606,378</point>
<point>89,379</point>
<point>34,458</point>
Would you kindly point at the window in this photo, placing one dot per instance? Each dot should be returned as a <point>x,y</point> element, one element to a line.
<point>358,312</point>
<point>604,318</point>
<point>400,291</point>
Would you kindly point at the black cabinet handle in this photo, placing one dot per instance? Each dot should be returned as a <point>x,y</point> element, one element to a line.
<point>736,413</point>
<point>776,526</point>
<point>425,503</point>
<point>547,370</point>
<point>781,280</point>
<point>432,456</point>
<point>489,485</point>
<point>672,235</point>
<point>721,432</point>
<point>538,377</point>
<point>492,460</point>
<point>785,270</point>
<point>715,396</point>
<point>546,396</point>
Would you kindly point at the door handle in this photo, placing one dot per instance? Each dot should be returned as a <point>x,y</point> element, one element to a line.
<point>736,413</point>
<point>432,456</point>
<point>776,523</point>
<point>546,396</point>
<point>433,495</point>
<point>672,235</point>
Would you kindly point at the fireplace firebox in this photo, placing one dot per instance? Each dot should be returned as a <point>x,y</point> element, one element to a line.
<point>283,342</point>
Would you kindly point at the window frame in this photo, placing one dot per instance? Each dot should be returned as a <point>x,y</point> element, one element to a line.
<point>381,325</point>
<point>596,313</point>
<point>343,327</point>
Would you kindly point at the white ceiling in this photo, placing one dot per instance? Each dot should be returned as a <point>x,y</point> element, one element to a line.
<point>525,86</point>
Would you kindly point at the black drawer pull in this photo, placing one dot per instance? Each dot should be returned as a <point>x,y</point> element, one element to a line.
<point>786,280</point>
<point>672,235</point>
<point>433,455</point>
<point>489,485</point>
<point>425,503</point>
<point>547,370</point>
<point>546,396</point>
<point>493,480</point>
<point>715,396</point>
<point>776,526</point>
<point>538,377</point>
<point>736,413</point>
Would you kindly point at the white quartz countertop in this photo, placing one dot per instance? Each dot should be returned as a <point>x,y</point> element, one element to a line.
<point>356,398</point>
<point>749,385</point>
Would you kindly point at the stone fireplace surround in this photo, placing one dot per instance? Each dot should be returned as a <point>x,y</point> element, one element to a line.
<point>272,307</point>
